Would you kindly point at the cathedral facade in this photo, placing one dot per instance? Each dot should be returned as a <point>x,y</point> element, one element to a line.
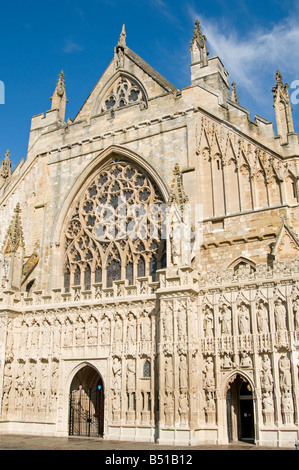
<point>149,268</point>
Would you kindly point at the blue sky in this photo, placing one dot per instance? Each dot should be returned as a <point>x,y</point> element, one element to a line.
<point>39,39</point>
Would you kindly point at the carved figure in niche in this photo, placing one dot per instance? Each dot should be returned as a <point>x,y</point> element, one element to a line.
<point>68,333</point>
<point>80,332</point>
<point>210,403</point>
<point>227,362</point>
<point>168,373</point>
<point>280,315</point>
<point>131,375</point>
<point>118,329</point>
<point>226,320</point>
<point>267,378</point>
<point>183,403</point>
<point>116,402</point>
<point>46,335</point>
<point>183,380</point>
<point>54,386</point>
<point>209,382</point>
<point>34,340</point>
<point>245,360</point>
<point>105,330</point>
<point>284,373</point>
<point>244,320</point>
<point>167,323</point>
<point>131,329</point>
<point>146,328</point>
<point>168,403</point>
<point>208,322</point>
<point>119,58</point>
<point>287,403</point>
<point>182,331</point>
<point>262,318</point>
<point>116,368</point>
<point>7,383</point>
<point>267,402</point>
<point>44,377</point>
<point>175,244</point>
<point>296,313</point>
<point>31,381</point>
<point>56,335</point>
<point>92,331</point>
<point>19,385</point>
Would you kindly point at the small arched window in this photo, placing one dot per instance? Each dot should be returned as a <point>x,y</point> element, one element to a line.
<point>147,369</point>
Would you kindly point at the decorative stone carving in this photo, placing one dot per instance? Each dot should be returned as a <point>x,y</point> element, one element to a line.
<point>244,319</point>
<point>92,332</point>
<point>226,320</point>
<point>168,408</point>
<point>285,377</point>
<point>131,328</point>
<point>118,329</point>
<point>208,322</point>
<point>168,322</point>
<point>116,369</point>
<point>262,318</point>
<point>183,407</point>
<point>280,315</point>
<point>105,330</point>
<point>131,373</point>
<point>183,374</point>
<point>146,327</point>
<point>168,373</point>
<point>296,312</point>
<point>182,320</point>
<point>5,169</point>
<point>208,370</point>
<point>245,360</point>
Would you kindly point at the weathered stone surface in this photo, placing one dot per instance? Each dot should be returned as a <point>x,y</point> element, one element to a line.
<point>178,328</point>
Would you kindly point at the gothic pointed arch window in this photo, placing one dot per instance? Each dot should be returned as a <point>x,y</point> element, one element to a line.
<point>110,234</point>
<point>125,91</point>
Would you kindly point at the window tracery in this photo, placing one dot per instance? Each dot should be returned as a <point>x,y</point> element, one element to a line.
<point>125,92</point>
<point>114,231</point>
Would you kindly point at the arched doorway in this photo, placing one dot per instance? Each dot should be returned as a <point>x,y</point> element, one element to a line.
<point>86,404</point>
<point>240,410</point>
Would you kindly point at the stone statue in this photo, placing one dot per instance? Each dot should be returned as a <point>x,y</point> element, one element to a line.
<point>296,313</point>
<point>209,322</point>
<point>226,320</point>
<point>280,315</point>
<point>284,373</point>
<point>131,329</point>
<point>244,320</point>
<point>208,370</point>
<point>262,318</point>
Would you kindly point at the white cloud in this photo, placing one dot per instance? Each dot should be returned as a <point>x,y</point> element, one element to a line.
<point>71,46</point>
<point>251,59</point>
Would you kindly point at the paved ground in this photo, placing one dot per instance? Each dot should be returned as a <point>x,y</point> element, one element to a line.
<point>11,442</point>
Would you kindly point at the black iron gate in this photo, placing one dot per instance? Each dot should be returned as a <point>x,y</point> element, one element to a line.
<point>86,412</point>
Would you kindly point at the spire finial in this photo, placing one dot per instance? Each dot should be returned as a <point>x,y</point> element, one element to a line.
<point>198,45</point>
<point>122,38</point>
<point>5,167</point>
<point>198,36</point>
<point>59,98</point>
<point>234,96</point>
<point>283,108</point>
<point>60,87</point>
